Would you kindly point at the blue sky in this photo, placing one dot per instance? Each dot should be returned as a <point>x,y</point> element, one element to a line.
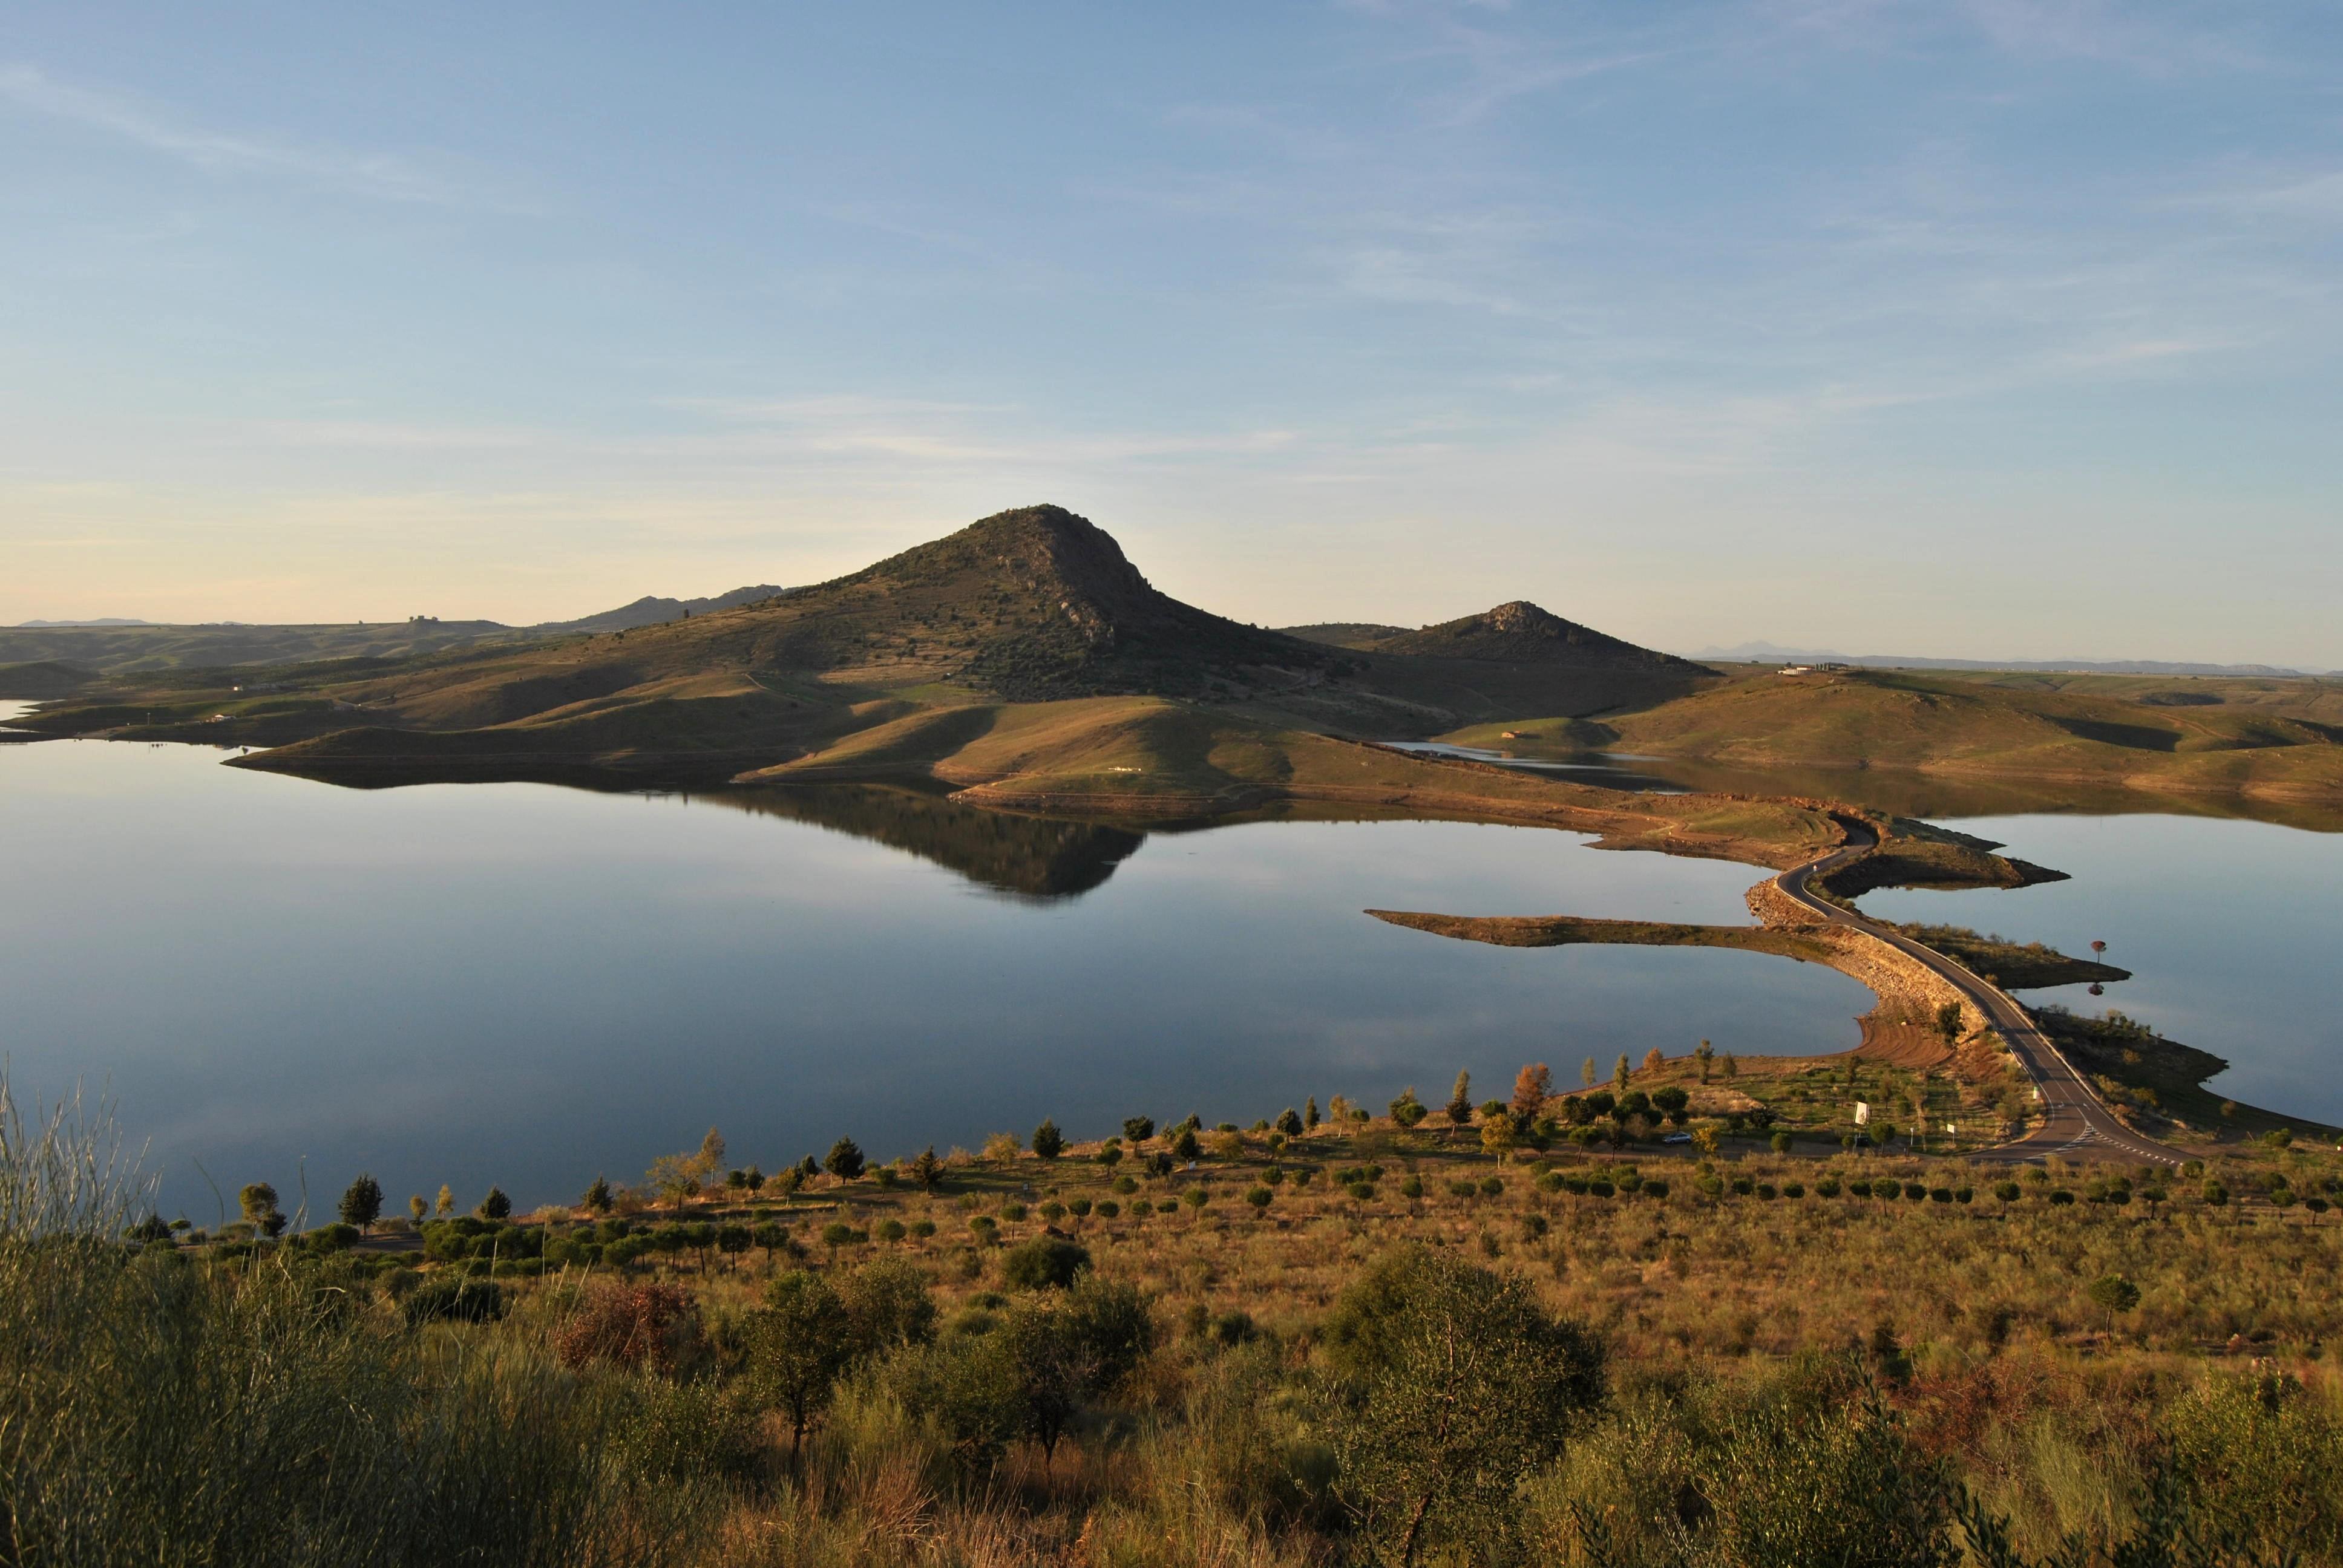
<point>1965,327</point>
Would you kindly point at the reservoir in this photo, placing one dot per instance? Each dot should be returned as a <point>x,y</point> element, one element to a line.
<point>277,979</point>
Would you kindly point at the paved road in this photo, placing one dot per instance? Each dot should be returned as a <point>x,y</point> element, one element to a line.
<point>2075,1122</point>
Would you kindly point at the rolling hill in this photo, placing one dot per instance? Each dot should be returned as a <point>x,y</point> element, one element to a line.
<point>2259,738</point>
<point>988,632</point>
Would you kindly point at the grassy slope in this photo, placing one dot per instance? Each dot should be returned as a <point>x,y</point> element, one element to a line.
<point>2275,738</point>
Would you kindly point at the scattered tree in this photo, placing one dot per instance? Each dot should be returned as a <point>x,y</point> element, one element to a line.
<point>1704,1054</point>
<point>1532,1087</point>
<point>447,1204</point>
<point>1003,1148</point>
<point>596,1199</point>
<point>257,1201</point>
<point>1407,1109</point>
<point>1060,1353</point>
<point>1139,1128</point>
<point>1621,1074</point>
<point>844,1159</point>
<point>1289,1121</point>
<point>1310,1115</point>
<point>928,1171</point>
<point>1731,1067</point>
<point>362,1202</point>
<point>2113,1293</point>
<point>675,1178</point>
<point>1048,1142</point>
<point>1453,1384</point>
<point>417,1207</point>
<point>801,1341</point>
<point>1460,1104</point>
<point>495,1205</point>
<point>887,1307</point>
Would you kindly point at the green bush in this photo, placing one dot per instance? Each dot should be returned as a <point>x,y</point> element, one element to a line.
<point>1044,1262</point>
<point>455,1301</point>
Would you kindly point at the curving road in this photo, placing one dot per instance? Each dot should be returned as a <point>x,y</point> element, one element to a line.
<point>2075,1122</point>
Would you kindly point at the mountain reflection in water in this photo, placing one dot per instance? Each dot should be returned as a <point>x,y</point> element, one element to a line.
<point>1030,857</point>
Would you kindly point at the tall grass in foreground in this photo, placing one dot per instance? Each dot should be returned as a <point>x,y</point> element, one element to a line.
<point>158,1411</point>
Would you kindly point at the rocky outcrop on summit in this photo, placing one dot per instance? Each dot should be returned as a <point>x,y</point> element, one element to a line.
<point>1052,608</point>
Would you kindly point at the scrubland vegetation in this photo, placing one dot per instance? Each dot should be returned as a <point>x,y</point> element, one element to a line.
<point>1412,1338</point>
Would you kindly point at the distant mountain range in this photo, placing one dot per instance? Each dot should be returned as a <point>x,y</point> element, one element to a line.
<point>74,652</point>
<point>1768,651</point>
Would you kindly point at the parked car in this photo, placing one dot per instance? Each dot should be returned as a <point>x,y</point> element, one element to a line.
<point>1678,1137</point>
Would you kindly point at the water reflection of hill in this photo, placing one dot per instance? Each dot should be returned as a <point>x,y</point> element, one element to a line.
<point>1029,857</point>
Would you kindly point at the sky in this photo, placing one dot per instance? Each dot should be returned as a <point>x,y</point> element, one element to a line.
<point>1976,328</point>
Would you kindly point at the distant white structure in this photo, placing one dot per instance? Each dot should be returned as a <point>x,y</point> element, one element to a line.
<point>1796,669</point>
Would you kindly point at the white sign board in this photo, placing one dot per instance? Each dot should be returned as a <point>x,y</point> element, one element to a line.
<point>1862,1113</point>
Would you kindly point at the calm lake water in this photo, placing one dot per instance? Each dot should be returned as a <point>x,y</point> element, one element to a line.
<point>530,985</point>
<point>2232,928</point>
<point>2232,931</point>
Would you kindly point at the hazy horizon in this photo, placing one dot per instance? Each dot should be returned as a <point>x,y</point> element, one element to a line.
<point>2002,329</point>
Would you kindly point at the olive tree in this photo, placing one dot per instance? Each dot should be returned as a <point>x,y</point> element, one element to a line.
<point>2113,1293</point>
<point>1452,1384</point>
<point>257,1200</point>
<point>799,1343</point>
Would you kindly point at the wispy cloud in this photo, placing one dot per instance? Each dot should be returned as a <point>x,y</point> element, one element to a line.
<point>2101,31</point>
<point>2315,197</point>
<point>382,176</point>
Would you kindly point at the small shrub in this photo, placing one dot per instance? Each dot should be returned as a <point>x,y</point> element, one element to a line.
<point>455,1301</point>
<point>1045,1262</point>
